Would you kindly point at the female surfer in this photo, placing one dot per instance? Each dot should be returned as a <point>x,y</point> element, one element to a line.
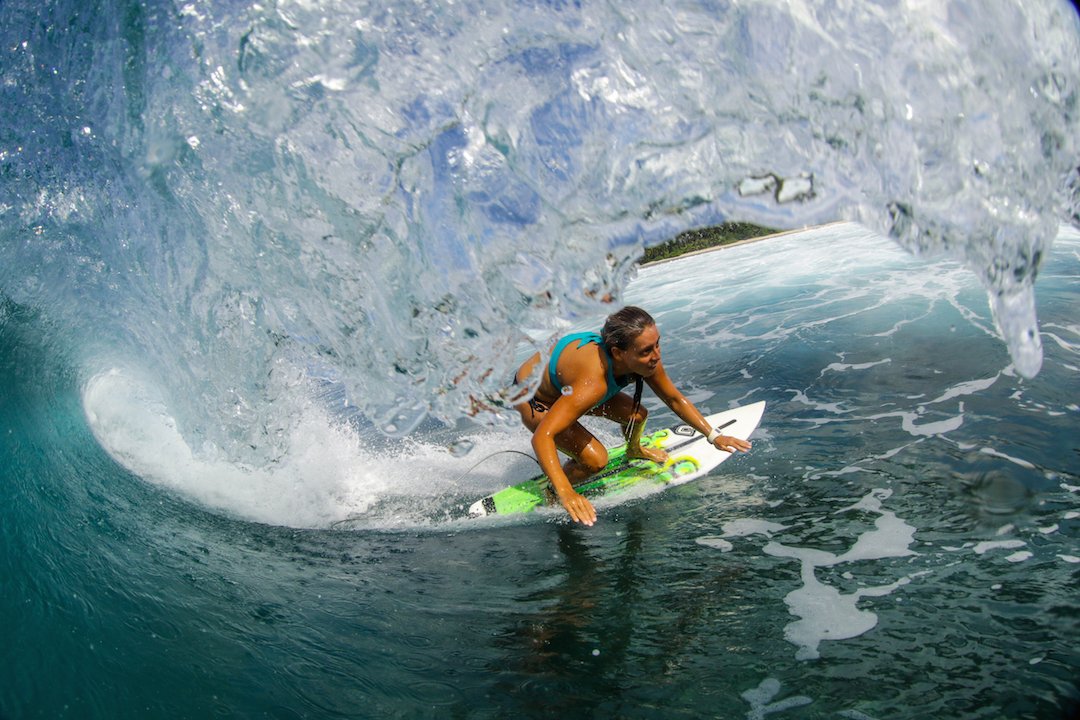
<point>585,374</point>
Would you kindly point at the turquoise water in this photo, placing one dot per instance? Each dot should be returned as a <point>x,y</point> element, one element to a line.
<point>265,270</point>
<point>932,489</point>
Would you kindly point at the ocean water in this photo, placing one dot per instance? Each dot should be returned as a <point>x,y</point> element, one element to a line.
<point>903,540</point>
<point>265,270</point>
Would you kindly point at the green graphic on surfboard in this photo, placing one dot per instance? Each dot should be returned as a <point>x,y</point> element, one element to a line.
<point>689,456</point>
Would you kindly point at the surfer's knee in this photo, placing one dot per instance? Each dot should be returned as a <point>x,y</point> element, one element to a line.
<point>594,459</point>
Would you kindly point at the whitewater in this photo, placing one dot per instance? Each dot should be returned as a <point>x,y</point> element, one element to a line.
<point>266,270</point>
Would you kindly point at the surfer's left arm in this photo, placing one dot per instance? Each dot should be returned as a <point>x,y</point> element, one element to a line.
<point>665,390</point>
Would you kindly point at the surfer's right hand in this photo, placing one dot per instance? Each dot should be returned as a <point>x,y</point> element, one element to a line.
<point>580,509</point>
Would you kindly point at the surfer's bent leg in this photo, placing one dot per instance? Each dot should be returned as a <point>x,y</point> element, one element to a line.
<point>621,409</point>
<point>588,455</point>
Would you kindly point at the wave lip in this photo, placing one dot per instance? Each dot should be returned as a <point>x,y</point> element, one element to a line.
<point>1014,314</point>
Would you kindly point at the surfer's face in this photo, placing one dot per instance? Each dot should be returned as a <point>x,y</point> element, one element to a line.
<point>643,355</point>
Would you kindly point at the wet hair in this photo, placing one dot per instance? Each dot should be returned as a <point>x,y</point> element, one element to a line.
<point>623,327</point>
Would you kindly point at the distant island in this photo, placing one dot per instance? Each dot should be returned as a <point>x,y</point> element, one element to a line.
<point>704,239</point>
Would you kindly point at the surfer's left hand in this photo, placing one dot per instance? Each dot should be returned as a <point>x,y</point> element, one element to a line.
<point>731,444</point>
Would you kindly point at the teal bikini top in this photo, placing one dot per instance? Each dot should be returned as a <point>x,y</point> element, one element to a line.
<point>614,384</point>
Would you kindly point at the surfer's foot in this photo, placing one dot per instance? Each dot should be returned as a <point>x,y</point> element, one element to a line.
<point>648,453</point>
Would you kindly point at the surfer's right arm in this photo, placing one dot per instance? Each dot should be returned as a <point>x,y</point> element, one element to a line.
<point>560,416</point>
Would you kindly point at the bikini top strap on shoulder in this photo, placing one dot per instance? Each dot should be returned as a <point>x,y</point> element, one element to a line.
<point>583,339</point>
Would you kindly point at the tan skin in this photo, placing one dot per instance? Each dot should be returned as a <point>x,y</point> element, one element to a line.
<point>584,369</point>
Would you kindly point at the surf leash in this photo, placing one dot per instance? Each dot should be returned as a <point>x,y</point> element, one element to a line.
<point>488,457</point>
<point>638,386</point>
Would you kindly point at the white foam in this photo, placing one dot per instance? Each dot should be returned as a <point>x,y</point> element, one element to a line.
<point>932,428</point>
<point>716,543</point>
<point>325,475</point>
<point>1018,461</point>
<point>760,699</point>
<point>851,469</point>
<point>966,388</point>
<point>891,537</point>
<point>843,367</point>
<point>987,546</point>
<point>824,612</point>
<point>744,527</point>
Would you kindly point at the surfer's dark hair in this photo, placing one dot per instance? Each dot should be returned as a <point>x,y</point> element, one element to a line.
<point>623,327</point>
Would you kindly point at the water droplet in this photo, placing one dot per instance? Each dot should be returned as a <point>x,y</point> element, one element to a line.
<point>461,448</point>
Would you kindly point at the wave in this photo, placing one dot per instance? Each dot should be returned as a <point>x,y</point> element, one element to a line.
<point>843,345</point>
<point>383,207</point>
<point>328,475</point>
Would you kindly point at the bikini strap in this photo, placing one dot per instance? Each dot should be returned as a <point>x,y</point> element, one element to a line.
<point>583,339</point>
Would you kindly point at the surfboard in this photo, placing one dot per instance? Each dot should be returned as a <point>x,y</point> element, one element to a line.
<point>690,456</point>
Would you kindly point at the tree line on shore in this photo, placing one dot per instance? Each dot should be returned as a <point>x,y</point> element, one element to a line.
<point>704,238</point>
